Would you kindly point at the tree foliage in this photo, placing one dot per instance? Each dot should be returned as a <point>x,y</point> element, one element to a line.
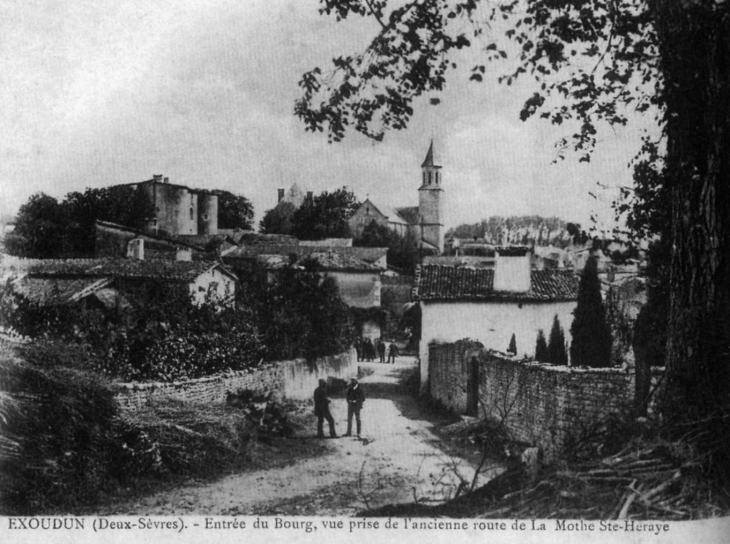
<point>234,211</point>
<point>120,204</point>
<point>39,229</point>
<point>521,230</point>
<point>591,334</point>
<point>299,312</point>
<point>47,229</point>
<point>402,250</point>
<point>325,215</point>
<point>512,348</point>
<point>557,355</point>
<point>278,220</point>
<point>599,55</point>
<point>541,349</point>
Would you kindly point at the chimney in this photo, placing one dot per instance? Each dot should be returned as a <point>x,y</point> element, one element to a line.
<point>135,249</point>
<point>184,254</point>
<point>281,195</point>
<point>166,180</point>
<point>157,178</point>
<point>310,194</point>
<point>512,269</point>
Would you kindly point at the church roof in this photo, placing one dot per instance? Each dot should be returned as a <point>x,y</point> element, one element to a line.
<point>428,161</point>
<point>389,212</point>
<point>409,213</point>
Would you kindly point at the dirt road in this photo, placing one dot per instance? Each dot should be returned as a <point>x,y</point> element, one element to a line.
<point>398,459</point>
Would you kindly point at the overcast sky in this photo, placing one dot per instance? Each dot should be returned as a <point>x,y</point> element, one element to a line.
<point>202,91</point>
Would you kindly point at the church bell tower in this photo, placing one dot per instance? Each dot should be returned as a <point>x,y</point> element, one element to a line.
<point>429,203</point>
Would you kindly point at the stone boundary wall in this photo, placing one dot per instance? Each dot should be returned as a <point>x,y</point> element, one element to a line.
<point>293,380</point>
<point>448,372</point>
<point>543,405</point>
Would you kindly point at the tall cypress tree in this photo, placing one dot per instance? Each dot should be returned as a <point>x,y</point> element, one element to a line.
<point>512,345</point>
<point>541,348</point>
<point>591,334</point>
<point>556,344</point>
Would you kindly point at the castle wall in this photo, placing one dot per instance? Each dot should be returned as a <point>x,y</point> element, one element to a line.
<point>207,213</point>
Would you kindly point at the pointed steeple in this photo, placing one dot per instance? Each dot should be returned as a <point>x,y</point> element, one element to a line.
<point>428,161</point>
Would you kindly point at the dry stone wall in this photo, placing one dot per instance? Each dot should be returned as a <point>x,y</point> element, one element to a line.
<point>543,405</point>
<point>448,372</point>
<point>295,380</point>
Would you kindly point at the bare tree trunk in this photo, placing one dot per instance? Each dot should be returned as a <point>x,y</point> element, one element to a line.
<point>694,38</point>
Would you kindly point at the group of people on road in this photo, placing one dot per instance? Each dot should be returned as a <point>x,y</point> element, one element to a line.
<point>366,350</point>
<point>355,399</point>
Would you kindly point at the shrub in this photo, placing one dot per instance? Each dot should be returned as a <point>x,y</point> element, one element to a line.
<point>557,355</point>
<point>300,313</point>
<point>590,331</point>
<point>162,337</point>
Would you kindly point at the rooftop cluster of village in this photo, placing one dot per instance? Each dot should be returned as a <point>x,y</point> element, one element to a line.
<point>181,242</point>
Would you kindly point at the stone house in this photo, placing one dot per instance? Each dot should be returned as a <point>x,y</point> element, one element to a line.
<point>491,304</point>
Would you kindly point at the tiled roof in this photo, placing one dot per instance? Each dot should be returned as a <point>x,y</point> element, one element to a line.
<point>327,242</point>
<point>368,255</point>
<point>451,283</point>
<point>48,291</point>
<point>391,213</point>
<point>176,271</point>
<point>254,238</point>
<point>336,261</point>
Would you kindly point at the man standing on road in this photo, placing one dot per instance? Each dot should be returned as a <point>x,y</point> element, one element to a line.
<point>355,400</point>
<point>381,350</point>
<point>358,349</point>
<point>392,352</point>
<point>322,410</point>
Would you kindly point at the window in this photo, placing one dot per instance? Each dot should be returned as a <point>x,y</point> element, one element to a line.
<point>430,178</point>
<point>191,213</point>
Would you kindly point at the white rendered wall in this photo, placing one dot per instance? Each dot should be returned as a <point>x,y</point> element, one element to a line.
<point>220,285</point>
<point>491,323</point>
<point>512,273</point>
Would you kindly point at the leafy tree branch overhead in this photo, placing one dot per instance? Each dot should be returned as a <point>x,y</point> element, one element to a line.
<point>591,61</point>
